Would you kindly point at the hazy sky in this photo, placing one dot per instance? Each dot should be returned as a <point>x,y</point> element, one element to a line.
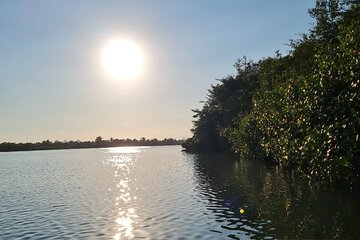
<point>53,86</point>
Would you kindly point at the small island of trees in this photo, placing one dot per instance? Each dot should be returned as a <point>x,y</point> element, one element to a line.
<point>99,142</point>
<point>300,110</point>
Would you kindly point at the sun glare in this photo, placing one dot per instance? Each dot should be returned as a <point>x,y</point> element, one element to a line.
<point>122,59</point>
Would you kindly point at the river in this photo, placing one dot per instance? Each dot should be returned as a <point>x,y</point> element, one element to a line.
<point>163,193</point>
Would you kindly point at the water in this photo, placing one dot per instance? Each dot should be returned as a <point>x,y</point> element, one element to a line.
<point>162,193</point>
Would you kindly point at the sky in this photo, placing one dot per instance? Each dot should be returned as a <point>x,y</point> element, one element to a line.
<point>53,85</point>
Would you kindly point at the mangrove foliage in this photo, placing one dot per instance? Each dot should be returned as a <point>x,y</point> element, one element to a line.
<point>300,110</point>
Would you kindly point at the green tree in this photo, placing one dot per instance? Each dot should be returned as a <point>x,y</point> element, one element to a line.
<point>301,109</point>
<point>310,119</point>
<point>225,102</point>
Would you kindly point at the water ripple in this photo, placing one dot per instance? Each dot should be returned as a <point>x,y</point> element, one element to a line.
<point>161,193</point>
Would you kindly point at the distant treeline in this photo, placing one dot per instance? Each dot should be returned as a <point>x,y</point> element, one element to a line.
<point>98,143</point>
<point>300,110</point>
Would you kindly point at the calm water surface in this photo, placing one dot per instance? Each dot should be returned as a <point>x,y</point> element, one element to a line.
<point>162,193</point>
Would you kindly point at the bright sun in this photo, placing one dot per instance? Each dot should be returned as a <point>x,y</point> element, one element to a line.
<point>122,59</point>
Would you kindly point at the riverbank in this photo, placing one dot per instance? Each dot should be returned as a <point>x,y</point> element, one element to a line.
<point>98,143</point>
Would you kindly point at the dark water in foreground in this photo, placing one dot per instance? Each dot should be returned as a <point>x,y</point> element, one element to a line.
<point>162,193</point>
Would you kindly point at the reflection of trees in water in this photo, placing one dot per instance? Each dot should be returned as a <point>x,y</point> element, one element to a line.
<point>276,203</point>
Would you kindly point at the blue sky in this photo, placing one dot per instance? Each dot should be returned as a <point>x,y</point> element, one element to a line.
<point>52,85</point>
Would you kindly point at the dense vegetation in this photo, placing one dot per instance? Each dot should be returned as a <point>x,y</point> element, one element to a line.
<point>98,143</point>
<point>300,110</point>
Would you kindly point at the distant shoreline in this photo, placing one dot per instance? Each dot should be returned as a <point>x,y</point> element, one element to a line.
<point>98,143</point>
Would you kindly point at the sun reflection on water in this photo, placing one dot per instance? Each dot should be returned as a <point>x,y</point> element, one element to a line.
<point>123,159</point>
<point>125,223</point>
